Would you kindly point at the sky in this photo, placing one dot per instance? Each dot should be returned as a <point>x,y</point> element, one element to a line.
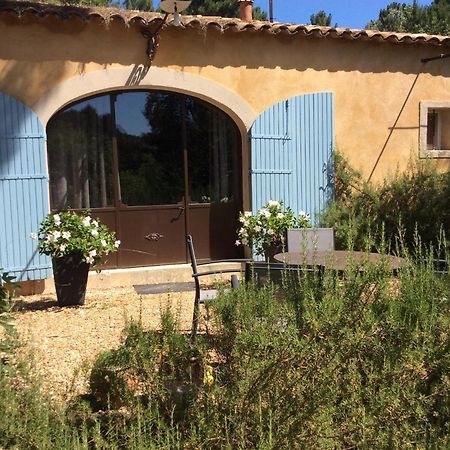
<point>346,13</point>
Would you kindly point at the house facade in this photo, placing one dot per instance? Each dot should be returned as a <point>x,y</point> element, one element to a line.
<point>163,130</point>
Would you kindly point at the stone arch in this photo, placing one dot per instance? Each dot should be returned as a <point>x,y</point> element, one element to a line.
<point>139,76</point>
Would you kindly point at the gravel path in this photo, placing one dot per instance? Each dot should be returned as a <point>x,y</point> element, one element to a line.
<point>64,341</point>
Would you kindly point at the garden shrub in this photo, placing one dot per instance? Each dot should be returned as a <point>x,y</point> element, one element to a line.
<point>360,360</point>
<point>413,202</point>
<point>365,367</point>
<point>9,340</point>
<point>27,418</point>
<point>160,366</point>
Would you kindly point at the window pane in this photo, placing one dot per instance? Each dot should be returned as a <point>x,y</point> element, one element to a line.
<point>212,144</point>
<point>444,129</point>
<point>80,156</point>
<point>149,140</point>
<point>432,130</point>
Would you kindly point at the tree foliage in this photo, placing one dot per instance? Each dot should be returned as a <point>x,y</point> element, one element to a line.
<point>402,17</point>
<point>83,2</point>
<point>223,8</point>
<point>414,202</point>
<point>321,18</point>
<point>140,5</point>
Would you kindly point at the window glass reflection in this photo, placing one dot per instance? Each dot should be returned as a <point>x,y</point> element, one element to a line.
<point>151,130</point>
<point>80,156</point>
<point>149,141</point>
<point>212,142</point>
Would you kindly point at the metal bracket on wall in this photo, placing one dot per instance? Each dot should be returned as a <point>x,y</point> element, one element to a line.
<point>434,58</point>
<point>152,37</point>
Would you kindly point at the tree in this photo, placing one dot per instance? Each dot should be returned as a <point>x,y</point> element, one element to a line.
<point>402,17</point>
<point>392,18</point>
<point>140,5</point>
<point>223,8</point>
<point>438,17</point>
<point>321,18</point>
<point>81,2</point>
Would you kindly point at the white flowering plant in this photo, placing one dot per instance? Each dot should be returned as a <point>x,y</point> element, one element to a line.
<point>268,227</point>
<point>67,233</point>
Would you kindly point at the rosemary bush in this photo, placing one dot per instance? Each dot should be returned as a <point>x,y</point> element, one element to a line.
<point>357,361</point>
<point>360,360</point>
<point>9,341</point>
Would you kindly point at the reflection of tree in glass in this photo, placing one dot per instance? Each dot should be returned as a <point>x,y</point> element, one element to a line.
<point>151,165</point>
<point>80,159</point>
<point>210,138</point>
<point>212,141</point>
<point>151,170</point>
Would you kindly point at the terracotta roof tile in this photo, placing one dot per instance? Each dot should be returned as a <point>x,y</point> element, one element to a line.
<point>203,23</point>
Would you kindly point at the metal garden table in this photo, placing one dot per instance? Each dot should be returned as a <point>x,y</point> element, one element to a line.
<point>338,259</point>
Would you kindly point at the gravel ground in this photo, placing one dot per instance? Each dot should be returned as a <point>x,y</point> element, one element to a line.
<point>63,342</point>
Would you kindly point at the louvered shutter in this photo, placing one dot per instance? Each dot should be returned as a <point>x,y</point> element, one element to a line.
<point>23,190</point>
<point>291,154</point>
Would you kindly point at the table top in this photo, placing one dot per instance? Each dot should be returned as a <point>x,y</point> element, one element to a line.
<point>337,259</point>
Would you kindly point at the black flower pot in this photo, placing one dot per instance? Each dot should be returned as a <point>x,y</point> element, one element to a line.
<point>270,251</point>
<point>70,274</point>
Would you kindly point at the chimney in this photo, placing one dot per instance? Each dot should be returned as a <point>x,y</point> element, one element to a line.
<point>245,10</point>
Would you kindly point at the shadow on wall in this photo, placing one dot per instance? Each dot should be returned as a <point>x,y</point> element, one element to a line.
<point>393,128</point>
<point>94,43</point>
<point>20,78</point>
<point>137,74</point>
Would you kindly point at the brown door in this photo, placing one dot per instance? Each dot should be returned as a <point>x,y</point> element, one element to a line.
<point>154,166</point>
<point>214,182</point>
<point>151,178</point>
<point>178,174</point>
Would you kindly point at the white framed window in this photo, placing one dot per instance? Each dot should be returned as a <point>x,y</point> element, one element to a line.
<point>434,135</point>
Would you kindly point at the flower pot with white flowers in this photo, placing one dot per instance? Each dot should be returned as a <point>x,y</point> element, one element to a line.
<point>75,243</point>
<point>266,230</point>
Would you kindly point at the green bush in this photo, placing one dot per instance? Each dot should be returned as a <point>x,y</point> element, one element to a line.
<point>360,360</point>
<point>9,341</point>
<point>151,366</point>
<point>7,288</point>
<point>363,364</point>
<point>414,203</point>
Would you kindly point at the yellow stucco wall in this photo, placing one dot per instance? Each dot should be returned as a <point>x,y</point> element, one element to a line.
<point>376,85</point>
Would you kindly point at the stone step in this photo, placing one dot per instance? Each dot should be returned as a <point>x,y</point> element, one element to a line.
<point>111,278</point>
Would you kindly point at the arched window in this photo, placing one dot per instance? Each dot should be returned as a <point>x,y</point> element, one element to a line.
<point>148,151</point>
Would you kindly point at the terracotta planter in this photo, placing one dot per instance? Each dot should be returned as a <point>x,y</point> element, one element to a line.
<point>70,274</point>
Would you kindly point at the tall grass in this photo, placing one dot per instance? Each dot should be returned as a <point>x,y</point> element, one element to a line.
<point>354,360</point>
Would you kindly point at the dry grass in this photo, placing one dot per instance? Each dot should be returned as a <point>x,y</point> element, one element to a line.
<point>63,342</point>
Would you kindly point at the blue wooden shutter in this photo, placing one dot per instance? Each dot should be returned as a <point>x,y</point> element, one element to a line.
<point>291,154</point>
<point>23,190</point>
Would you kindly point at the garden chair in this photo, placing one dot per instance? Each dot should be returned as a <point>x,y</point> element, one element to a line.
<point>310,239</point>
<point>289,283</point>
<point>440,266</point>
<point>260,274</point>
<point>201,294</point>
